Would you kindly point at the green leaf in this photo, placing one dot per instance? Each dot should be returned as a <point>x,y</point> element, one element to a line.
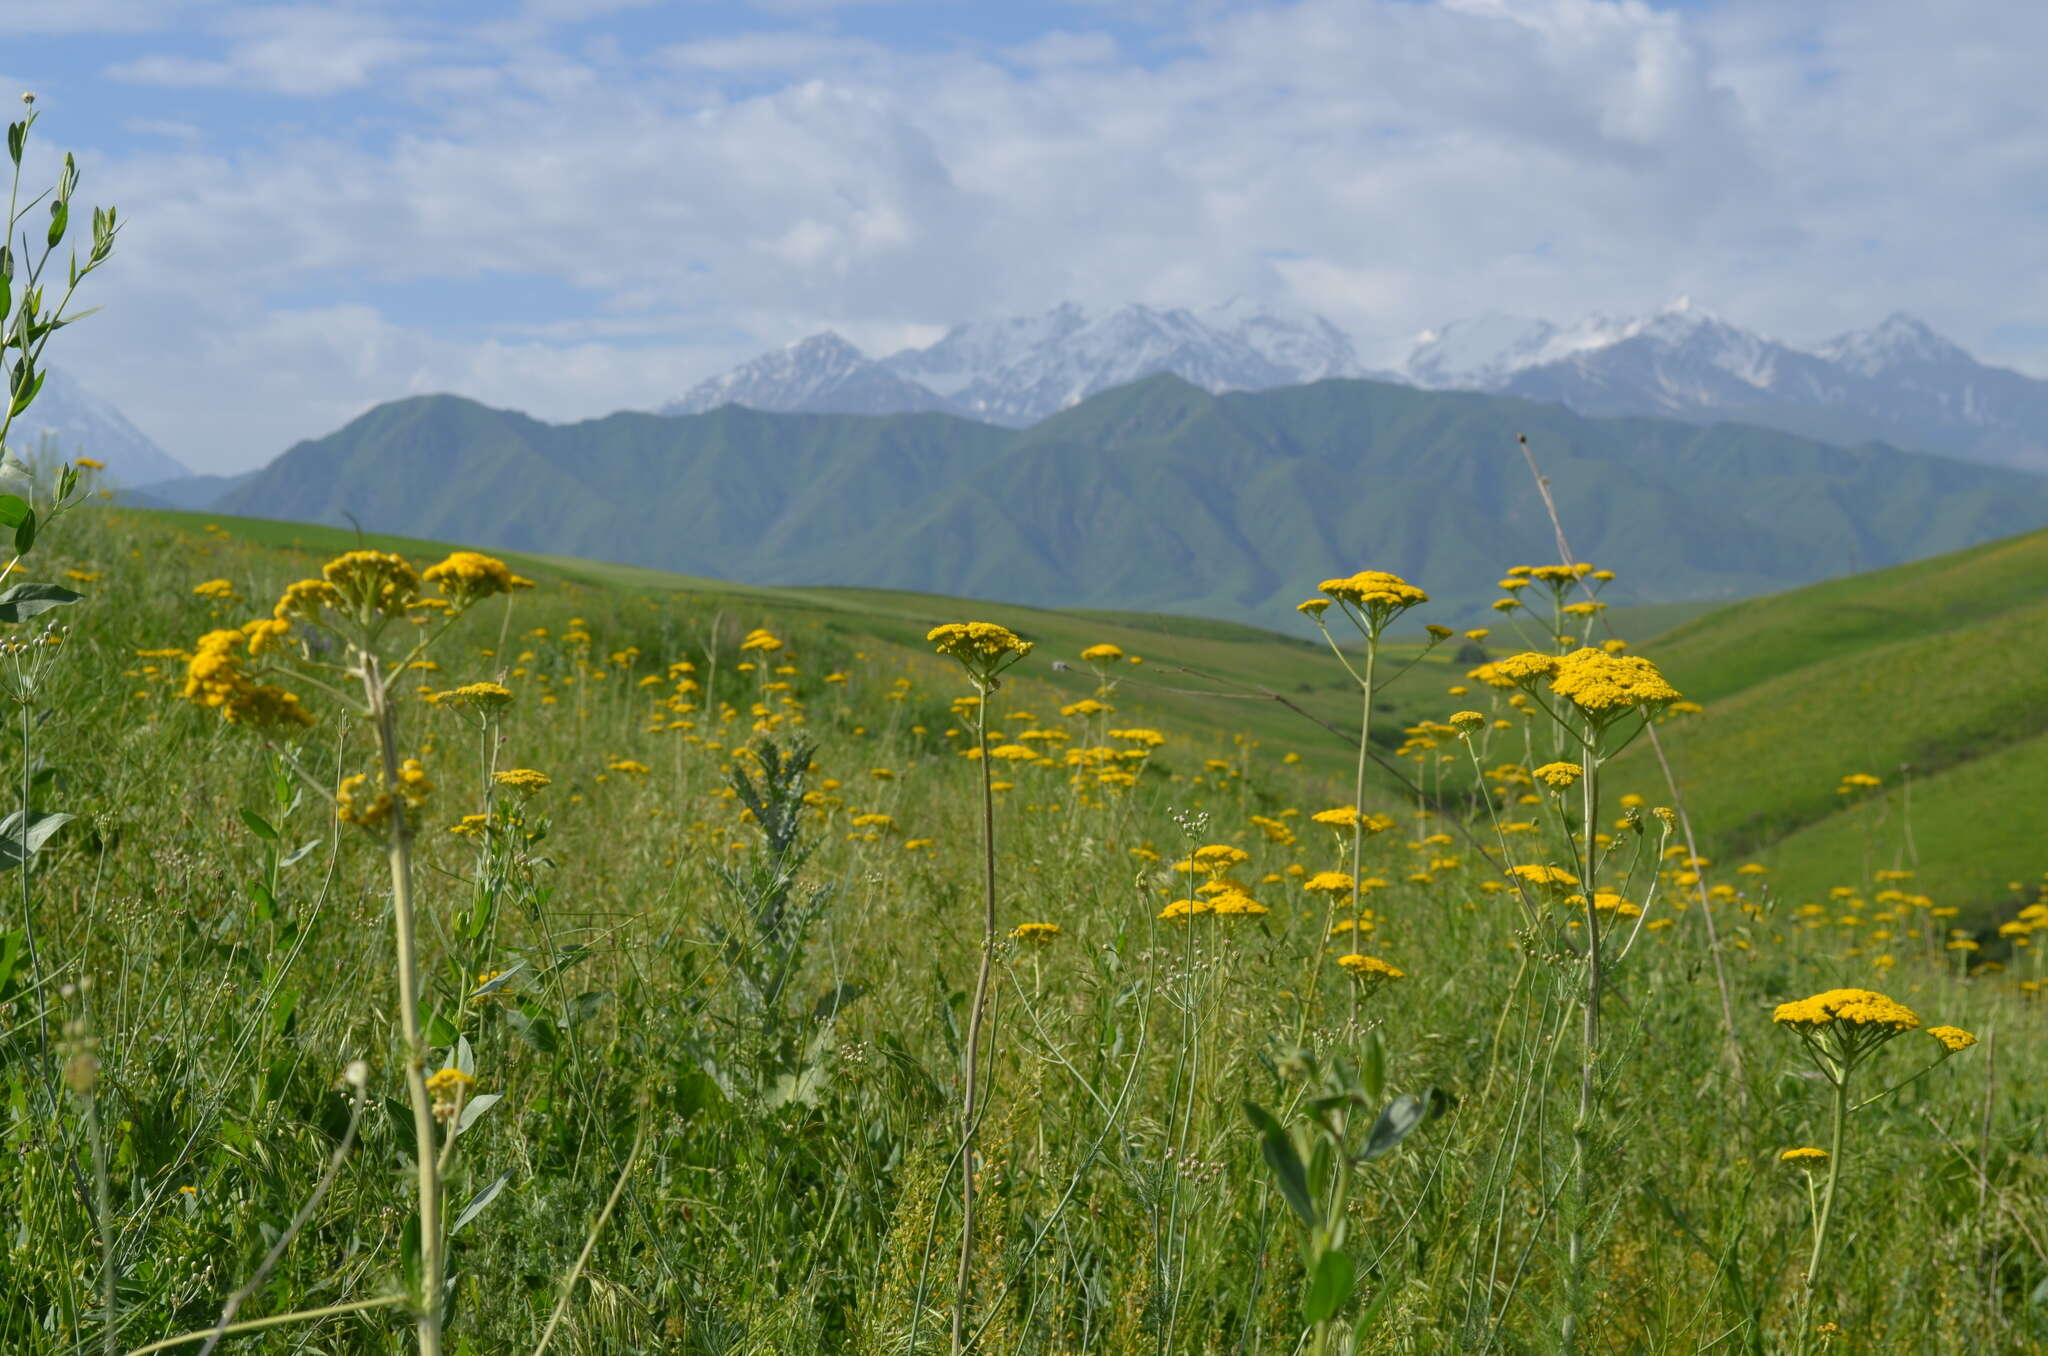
<point>13,508</point>
<point>17,133</point>
<point>1281,1157</point>
<point>409,1257</point>
<point>497,981</point>
<point>26,600</point>
<point>60,216</point>
<point>297,854</point>
<point>1373,1075</point>
<point>1402,1117</point>
<point>264,900</point>
<point>17,846</point>
<point>13,949</point>
<point>478,1202</point>
<point>27,392</point>
<point>1330,1287</point>
<point>532,1023</point>
<point>441,1031</point>
<point>259,826</point>
<point>474,1109</point>
<point>25,535</point>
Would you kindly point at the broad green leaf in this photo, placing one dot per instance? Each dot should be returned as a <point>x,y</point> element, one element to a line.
<point>498,981</point>
<point>478,1202</point>
<point>1373,1073</point>
<point>60,216</point>
<point>25,535</point>
<point>27,600</point>
<point>441,1031</point>
<point>1402,1117</point>
<point>474,1109</point>
<point>465,1057</point>
<point>259,826</point>
<point>1330,1287</point>
<point>1280,1155</point>
<point>17,845</point>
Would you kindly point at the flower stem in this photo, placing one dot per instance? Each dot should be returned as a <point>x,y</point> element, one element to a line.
<point>1589,1052</point>
<point>398,849</point>
<point>969,1099</point>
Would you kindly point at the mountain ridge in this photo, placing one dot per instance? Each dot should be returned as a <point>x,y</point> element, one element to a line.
<point>1155,495</point>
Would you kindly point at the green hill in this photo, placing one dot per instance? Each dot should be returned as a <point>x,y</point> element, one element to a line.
<point>1940,667</point>
<point>1156,496</point>
<point>1931,676</point>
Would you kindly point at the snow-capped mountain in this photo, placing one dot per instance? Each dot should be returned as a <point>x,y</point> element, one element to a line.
<point>73,422</point>
<point>1019,370</point>
<point>1898,382</point>
<point>820,375</point>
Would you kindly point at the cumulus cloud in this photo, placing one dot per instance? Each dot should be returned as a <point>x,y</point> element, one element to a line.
<point>1802,169</point>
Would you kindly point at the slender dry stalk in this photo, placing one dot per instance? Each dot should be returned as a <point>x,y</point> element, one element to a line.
<point>968,1103</point>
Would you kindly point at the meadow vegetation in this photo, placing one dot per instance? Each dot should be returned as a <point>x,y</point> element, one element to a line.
<point>411,949</point>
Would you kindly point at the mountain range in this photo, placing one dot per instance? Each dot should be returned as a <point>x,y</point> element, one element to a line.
<point>1897,382</point>
<point>1156,495</point>
<point>73,421</point>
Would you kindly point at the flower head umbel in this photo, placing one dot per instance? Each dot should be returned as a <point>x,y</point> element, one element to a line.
<point>1804,1158</point>
<point>984,649</point>
<point>468,577</point>
<point>372,583</point>
<point>1841,1026</point>
<point>1370,972</point>
<point>1953,1038</point>
<point>1035,934</point>
<point>217,676</point>
<point>1605,687</point>
<point>1374,597</point>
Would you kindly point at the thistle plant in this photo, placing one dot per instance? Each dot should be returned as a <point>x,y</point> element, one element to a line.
<point>984,651</point>
<point>1840,1030</point>
<point>353,634</point>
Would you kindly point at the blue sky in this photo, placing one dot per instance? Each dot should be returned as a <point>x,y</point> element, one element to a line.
<point>575,206</point>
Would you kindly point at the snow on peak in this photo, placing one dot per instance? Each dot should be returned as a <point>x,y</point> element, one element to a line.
<point>1899,340</point>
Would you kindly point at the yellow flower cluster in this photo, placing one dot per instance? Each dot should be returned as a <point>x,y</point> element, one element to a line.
<point>372,582</point>
<point>467,577</point>
<point>1850,1007</point>
<point>984,649</point>
<point>1370,967</point>
<point>1604,685</point>
<point>1104,653</point>
<point>1554,877</point>
<point>1804,1157</point>
<point>1377,595</point>
<point>1559,776</point>
<point>353,804</point>
<point>1035,934</point>
<point>449,1088</point>
<point>522,779</point>
<point>762,639</point>
<point>484,697</point>
<point>215,677</point>
<point>1952,1038</point>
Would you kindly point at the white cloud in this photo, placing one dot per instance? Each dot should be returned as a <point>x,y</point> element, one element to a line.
<point>1802,169</point>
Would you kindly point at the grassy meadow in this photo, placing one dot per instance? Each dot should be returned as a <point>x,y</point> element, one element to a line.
<point>694,1017</point>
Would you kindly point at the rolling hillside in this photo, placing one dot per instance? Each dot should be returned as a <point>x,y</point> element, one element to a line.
<point>1156,496</point>
<point>1941,665</point>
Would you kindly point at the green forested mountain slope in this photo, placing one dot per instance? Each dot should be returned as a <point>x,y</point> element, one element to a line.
<point>1155,496</point>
